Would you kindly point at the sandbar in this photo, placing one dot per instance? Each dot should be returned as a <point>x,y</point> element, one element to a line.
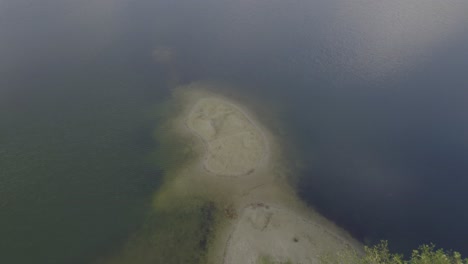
<point>265,221</point>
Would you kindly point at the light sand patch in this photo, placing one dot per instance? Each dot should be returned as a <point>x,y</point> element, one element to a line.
<point>234,144</point>
<point>277,234</point>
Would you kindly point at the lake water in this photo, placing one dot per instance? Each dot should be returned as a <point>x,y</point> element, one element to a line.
<point>373,94</point>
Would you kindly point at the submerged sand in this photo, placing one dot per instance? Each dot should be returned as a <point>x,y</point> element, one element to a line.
<point>266,222</point>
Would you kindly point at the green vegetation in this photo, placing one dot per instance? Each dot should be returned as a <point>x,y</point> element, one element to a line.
<point>269,260</point>
<point>380,254</point>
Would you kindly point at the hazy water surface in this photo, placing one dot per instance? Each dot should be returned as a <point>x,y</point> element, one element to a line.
<point>374,93</point>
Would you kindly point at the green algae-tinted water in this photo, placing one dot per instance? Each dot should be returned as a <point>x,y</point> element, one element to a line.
<point>75,180</point>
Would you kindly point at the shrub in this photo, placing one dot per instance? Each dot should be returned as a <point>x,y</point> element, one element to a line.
<point>380,254</point>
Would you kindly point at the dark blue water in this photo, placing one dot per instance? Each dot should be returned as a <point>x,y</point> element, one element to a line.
<point>374,94</point>
<point>397,159</point>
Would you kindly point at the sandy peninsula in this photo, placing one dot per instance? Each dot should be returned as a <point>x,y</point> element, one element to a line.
<point>227,196</point>
<point>240,164</point>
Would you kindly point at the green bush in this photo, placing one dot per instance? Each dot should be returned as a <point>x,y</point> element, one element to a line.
<point>380,254</point>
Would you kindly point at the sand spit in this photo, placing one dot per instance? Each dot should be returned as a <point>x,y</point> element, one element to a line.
<point>265,221</point>
<point>226,196</point>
